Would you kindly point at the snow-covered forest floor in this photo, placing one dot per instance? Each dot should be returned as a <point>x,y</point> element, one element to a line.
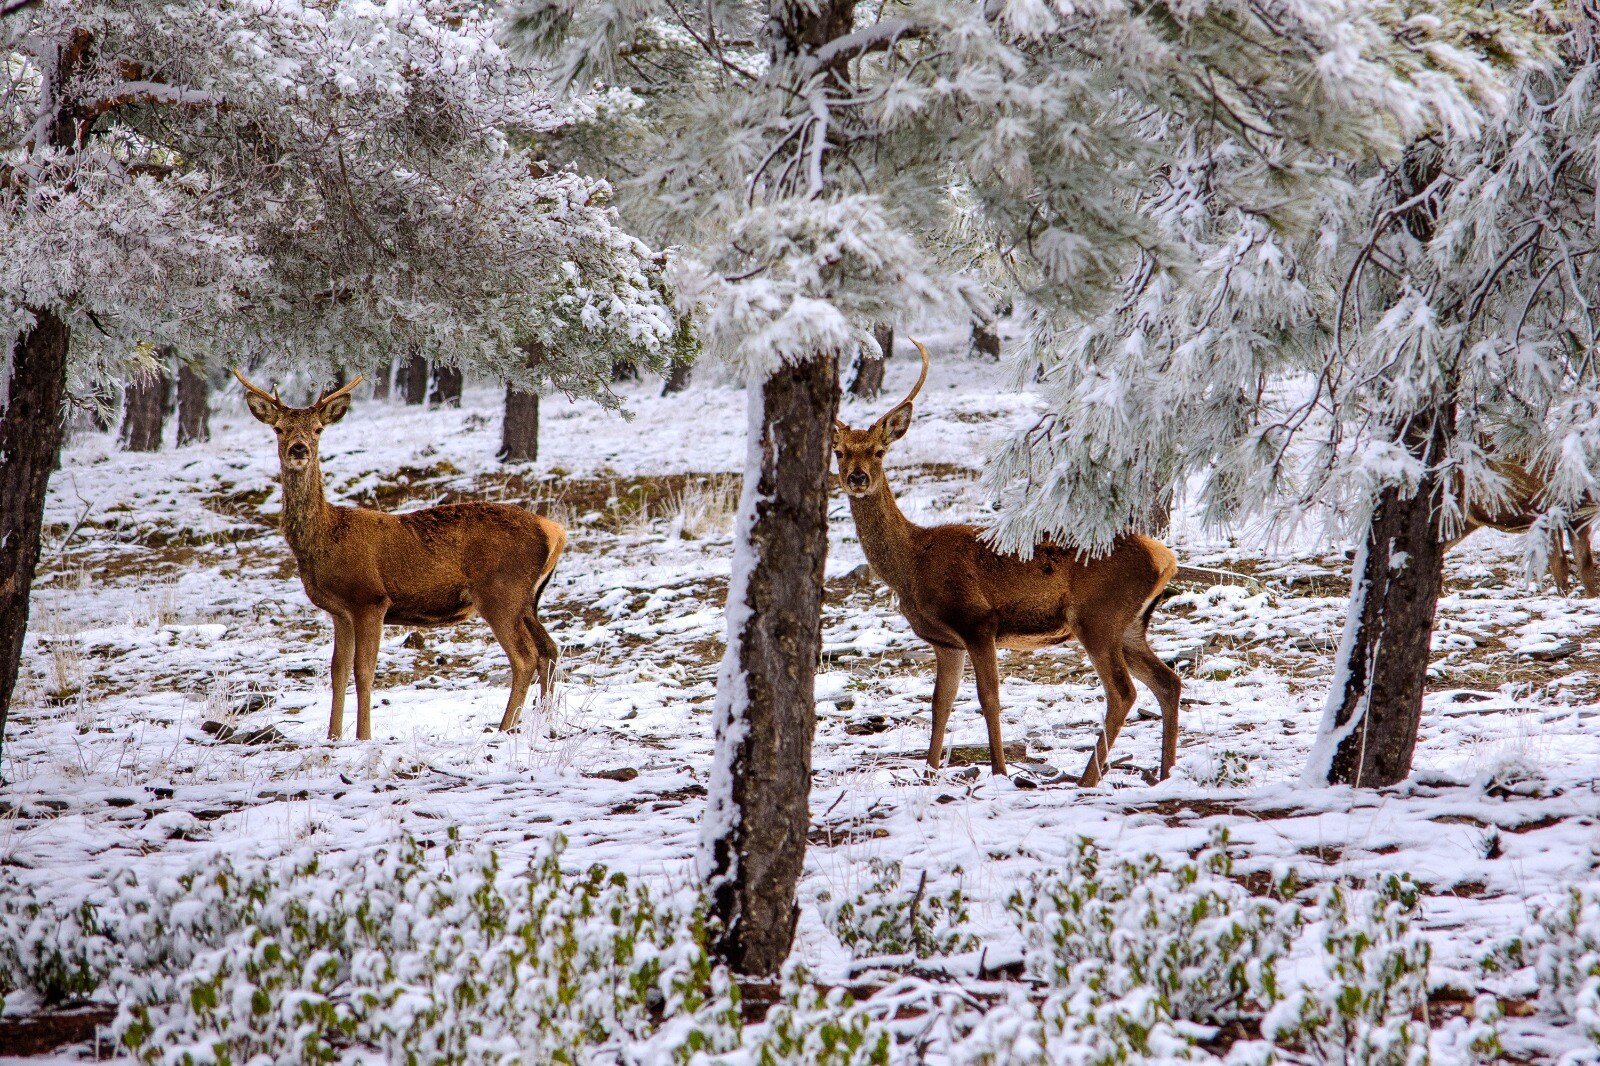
<point>176,691</point>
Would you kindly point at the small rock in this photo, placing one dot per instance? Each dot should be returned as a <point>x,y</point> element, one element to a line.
<point>1548,651</point>
<point>621,773</point>
<point>415,641</point>
<point>227,734</point>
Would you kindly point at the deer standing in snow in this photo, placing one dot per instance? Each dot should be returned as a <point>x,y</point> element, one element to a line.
<point>968,600</point>
<point>436,566</point>
<point>1517,514</point>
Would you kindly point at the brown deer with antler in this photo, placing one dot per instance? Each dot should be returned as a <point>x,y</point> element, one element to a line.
<point>1517,513</point>
<point>436,566</point>
<point>968,600</point>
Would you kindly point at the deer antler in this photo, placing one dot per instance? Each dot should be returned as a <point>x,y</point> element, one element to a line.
<point>912,395</point>
<point>339,392</point>
<point>264,394</point>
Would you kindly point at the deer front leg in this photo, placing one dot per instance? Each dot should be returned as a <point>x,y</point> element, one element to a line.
<point>986,670</point>
<point>946,683</point>
<point>344,648</point>
<point>368,632</point>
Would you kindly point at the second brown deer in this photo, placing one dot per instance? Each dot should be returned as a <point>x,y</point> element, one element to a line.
<point>968,600</point>
<point>1519,510</point>
<point>436,566</point>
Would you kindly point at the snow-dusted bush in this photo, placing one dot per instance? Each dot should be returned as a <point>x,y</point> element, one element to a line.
<point>1198,944</point>
<point>892,918</point>
<point>422,957</point>
<point>819,1028</point>
<point>58,953</point>
<point>1365,1010</point>
<point>1562,944</point>
<point>1079,1028</point>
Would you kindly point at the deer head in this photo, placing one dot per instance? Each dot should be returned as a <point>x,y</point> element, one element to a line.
<point>299,429</point>
<point>860,452</point>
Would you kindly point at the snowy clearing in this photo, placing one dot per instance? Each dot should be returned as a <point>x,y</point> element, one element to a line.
<point>176,691</point>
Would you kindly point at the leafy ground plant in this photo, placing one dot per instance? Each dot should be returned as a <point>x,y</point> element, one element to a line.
<point>1199,944</point>
<point>1371,1009</point>
<point>894,917</point>
<point>1562,944</point>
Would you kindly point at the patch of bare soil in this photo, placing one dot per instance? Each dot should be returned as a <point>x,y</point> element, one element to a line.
<point>42,1033</point>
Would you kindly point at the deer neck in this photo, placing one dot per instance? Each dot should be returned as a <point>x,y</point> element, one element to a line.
<point>305,508</point>
<point>887,536</point>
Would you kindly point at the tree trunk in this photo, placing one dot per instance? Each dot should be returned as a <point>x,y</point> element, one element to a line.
<point>986,340</point>
<point>677,378</point>
<point>144,403</point>
<point>447,382</point>
<point>30,444</point>
<point>868,381</point>
<point>194,406</point>
<point>1374,709</point>
<point>622,371</point>
<point>413,379</point>
<point>519,438</point>
<point>381,376</point>
<point>758,811</point>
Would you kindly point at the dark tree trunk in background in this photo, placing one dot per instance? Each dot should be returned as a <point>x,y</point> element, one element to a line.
<point>30,443</point>
<point>1382,667</point>
<point>868,381</point>
<point>677,378</point>
<point>194,406</point>
<point>758,810</point>
<point>986,339</point>
<point>381,376</point>
<point>447,381</point>
<point>624,371</point>
<point>519,439</point>
<point>144,411</point>
<point>413,378</point>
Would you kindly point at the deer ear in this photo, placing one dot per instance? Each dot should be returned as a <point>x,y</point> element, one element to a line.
<point>333,410</point>
<point>896,422</point>
<point>263,408</point>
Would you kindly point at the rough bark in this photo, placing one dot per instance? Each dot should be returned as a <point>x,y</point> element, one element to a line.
<point>677,378</point>
<point>194,406</point>
<point>759,806</point>
<point>447,381</point>
<point>144,412</point>
<point>381,376</point>
<point>30,443</point>
<point>986,340</point>
<point>413,378</point>
<point>519,438</point>
<point>868,381</point>
<point>1374,710</point>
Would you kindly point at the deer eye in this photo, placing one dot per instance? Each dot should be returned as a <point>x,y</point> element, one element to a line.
<point>877,453</point>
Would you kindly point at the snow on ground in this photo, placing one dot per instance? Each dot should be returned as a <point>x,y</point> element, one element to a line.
<point>168,613</point>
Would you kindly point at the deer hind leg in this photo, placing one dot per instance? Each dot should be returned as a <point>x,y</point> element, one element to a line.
<point>1160,679</point>
<point>1558,562</point>
<point>946,683</point>
<point>344,650</point>
<point>519,649</point>
<point>1111,664</point>
<point>369,633</point>
<point>547,652</point>
<point>1583,558</point>
<point>986,670</point>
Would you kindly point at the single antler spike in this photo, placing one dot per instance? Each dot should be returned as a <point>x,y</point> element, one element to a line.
<point>912,395</point>
<point>340,392</point>
<point>263,393</point>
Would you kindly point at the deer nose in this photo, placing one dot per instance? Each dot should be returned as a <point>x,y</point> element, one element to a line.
<point>857,479</point>
<point>299,451</point>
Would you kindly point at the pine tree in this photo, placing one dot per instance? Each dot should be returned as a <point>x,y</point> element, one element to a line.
<point>248,179</point>
<point>825,166</point>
